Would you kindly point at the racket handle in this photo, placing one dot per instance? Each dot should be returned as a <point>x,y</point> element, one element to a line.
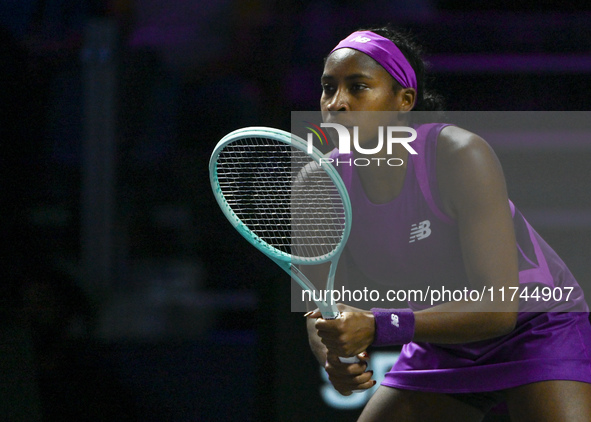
<point>352,359</point>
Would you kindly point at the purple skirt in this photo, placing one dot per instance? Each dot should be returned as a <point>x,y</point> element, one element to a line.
<point>543,347</point>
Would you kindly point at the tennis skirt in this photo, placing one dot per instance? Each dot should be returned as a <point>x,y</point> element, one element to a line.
<point>543,347</point>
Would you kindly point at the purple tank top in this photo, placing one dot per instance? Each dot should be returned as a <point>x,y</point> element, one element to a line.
<point>422,248</point>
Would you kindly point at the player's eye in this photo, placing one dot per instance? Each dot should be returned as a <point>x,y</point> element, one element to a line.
<point>358,87</point>
<point>327,89</point>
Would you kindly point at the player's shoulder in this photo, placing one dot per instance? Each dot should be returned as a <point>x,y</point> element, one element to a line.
<point>467,168</point>
<point>462,154</point>
<point>456,145</point>
<point>454,139</point>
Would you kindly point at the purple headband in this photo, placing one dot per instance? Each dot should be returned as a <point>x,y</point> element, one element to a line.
<point>383,51</point>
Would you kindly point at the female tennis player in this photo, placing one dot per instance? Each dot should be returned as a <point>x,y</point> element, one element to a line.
<point>444,218</point>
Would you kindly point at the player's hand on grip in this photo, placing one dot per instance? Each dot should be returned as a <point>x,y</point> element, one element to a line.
<point>350,334</point>
<point>349,377</point>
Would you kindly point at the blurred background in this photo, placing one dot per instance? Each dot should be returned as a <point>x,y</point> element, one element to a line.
<point>126,296</point>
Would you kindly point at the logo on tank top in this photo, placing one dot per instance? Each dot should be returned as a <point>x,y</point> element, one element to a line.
<point>420,231</point>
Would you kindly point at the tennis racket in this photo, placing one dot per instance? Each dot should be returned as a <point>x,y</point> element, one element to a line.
<point>286,202</point>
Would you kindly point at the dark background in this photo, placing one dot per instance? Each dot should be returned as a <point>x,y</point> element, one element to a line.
<point>126,295</point>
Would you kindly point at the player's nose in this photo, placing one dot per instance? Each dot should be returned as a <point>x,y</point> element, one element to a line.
<point>338,102</point>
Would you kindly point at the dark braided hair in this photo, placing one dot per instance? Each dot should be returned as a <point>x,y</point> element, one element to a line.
<point>426,100</point>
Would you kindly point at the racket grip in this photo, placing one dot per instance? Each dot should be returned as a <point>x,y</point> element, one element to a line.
<point>352,359</point>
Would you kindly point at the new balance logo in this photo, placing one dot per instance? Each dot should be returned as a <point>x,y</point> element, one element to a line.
<point>395,320</point>
<point>420,231</point>
<point>361,39</point>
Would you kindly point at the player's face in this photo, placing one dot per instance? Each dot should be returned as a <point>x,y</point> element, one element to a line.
<point>354,82</point>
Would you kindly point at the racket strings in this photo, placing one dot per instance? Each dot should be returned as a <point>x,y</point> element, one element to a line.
<point>282,196</point>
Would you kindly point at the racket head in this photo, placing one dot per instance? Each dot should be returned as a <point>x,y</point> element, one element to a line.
<point>279,161</point>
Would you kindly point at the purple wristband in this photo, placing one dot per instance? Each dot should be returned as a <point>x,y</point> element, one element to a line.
<point>393,326</point>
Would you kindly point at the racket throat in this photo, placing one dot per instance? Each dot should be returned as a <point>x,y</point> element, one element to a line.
<point>326,307</point>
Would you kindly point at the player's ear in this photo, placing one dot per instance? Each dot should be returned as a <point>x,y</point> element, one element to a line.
<point>407,97</point>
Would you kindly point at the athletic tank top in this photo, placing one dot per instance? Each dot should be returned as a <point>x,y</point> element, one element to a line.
<point>410,243</point>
